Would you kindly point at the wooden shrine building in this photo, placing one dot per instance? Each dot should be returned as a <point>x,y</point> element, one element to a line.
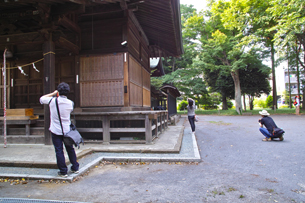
<point>101,48</point>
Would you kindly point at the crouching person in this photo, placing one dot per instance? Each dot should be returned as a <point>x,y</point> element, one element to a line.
<point>269,126</point>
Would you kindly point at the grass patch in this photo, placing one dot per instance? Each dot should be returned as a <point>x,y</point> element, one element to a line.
<point>231,189</point>
<point>233,112</point>
<point>219,123</point>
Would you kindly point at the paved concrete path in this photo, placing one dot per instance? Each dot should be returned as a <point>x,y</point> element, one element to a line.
<point>39,162</point>
<point>236,166</point>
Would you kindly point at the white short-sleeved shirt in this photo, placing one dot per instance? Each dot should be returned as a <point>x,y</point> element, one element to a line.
<point>65,108</point>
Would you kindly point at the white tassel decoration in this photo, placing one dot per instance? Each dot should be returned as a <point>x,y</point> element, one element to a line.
<point>22,71</point>
<point>35,67</point>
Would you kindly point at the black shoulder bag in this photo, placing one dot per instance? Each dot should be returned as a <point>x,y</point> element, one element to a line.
<point>73,137</point>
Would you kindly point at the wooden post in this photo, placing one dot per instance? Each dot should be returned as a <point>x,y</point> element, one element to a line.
<point>77,82</point>
<point>166,117</point>
<point>148,133</point>
<point>4,97</point>
<point>126,80</point>
<point>161,130</point>
<point>48,82</point>
<point>106,131</point>
<point>156,130</point>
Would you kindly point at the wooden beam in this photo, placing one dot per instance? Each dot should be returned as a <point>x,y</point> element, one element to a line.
<point>23,38</point>
<point>137,24</point>
<point>44,12</point>
<point>69,24</point>
<point>66,44</point>
<point>123,5</point>
<point>70,8</point>
<point>77,1</point>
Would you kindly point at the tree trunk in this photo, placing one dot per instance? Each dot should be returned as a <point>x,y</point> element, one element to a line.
<point>298,72</point>
<point>174,64</point>
<point>235,76</point>
<point>251,102</point>
<point>274,95</point>
<point>244,101</point>
<point>224,103</point>
<point>303,106</point>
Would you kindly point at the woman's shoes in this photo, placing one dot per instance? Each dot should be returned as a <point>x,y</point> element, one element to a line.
<point>62,174</point>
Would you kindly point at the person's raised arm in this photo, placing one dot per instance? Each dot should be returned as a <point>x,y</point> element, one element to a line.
<point>53,94</point>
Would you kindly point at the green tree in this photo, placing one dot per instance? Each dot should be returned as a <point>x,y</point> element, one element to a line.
<point>290,31</point>
<point>251,18</point>
<point>219,51</point>
<point>254,78</point>
<point>171,64</point>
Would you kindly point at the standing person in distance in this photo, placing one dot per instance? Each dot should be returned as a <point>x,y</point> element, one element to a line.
<point>65,106</point>
<point>297,105</point>
<point>191,113</point>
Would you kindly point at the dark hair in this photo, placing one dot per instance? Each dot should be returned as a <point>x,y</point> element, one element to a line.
<point>190,103</point>
<point>63,89</point>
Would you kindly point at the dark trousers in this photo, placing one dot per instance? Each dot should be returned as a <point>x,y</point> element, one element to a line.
<point>192,122</point>
<point>60,157</point>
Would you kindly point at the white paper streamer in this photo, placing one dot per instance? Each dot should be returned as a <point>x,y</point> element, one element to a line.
<point>21,70</point>
<point>35,67</point>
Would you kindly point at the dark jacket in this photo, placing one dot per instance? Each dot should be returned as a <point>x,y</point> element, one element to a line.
<point>268,123</point>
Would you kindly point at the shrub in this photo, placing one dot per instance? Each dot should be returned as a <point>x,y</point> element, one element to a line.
<point>230,104</point>
<point>269,102</point>
<point>284,106</point>
<point>182,105</point>
<point>260,103</point>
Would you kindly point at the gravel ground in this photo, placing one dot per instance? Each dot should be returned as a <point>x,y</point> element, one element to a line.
<point>236,167</point>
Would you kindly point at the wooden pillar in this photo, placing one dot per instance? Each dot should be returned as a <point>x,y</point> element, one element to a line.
<point>106,130</point>
<point>160,114</point>
<point>48,82</point>
<point>148,133</point>
<point>166,117</point>
<point>126,81</point>
<point>156,130</point>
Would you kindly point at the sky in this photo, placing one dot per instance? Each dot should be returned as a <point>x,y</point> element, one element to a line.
<point>198,4</point>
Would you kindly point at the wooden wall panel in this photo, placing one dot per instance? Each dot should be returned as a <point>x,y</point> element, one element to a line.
<point>101,80</point>
<point>65,72</point>
<point>137,45</point>
<point>146,97</point>
<point>133,45</point>
<point>108,93</point>
<point>146,88</point>
<point>135,71</point>
<point>106,37</point>
<point>146,79</point>
<point>96,68</point>
<point>27,90</point>
<point>136,95</point>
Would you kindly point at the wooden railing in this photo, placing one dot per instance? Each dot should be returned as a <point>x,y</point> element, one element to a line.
<point>154,120</point>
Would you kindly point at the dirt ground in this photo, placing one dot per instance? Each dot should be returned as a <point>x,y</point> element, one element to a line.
<point>236,167</point>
